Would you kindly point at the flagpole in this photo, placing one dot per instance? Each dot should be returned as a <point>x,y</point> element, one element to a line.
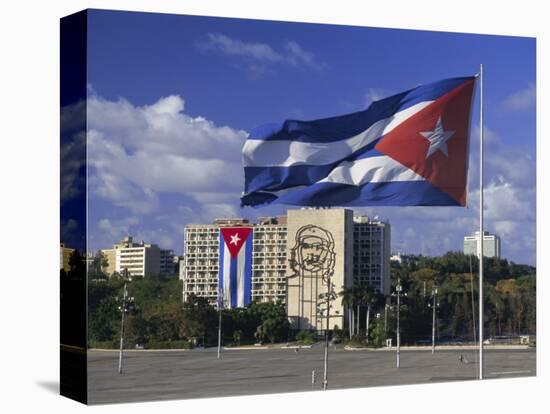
<point>220,301</point>
<point>481,222</point>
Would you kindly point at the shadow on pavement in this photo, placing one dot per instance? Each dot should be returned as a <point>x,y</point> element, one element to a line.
<point>51,386</point>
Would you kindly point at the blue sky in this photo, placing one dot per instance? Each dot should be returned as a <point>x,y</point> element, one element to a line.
<point>172,99</point>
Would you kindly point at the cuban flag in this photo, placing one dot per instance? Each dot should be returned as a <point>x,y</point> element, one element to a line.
<point>410,149</point>
<point>235,270</point>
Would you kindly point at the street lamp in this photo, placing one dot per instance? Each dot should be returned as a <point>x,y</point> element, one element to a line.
<point>434,307</point>
<point>398,292</point>
<point>386,307</point>
<point>220,307</point>
<point>126,306</point>
<point>328,296</point>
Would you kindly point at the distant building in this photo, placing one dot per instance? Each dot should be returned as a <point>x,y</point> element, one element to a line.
<point>169,263</point>
<point>491,244</point>
<point>140,259</point>
<point>64,254</point>
<point>397,258</point>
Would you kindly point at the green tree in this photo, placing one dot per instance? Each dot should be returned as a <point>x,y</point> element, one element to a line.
<point>271,320</point>
<point>199,319</point>
<point>102,322</point>
<point>98,267</point>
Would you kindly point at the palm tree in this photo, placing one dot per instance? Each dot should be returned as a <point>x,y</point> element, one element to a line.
<point>366,296</point>
<point>349,296</point>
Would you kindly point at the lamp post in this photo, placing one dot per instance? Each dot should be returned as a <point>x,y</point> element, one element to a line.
<point>125,306</point>
<point>220,307</point>
<point>398,292</point>
<point>322,307</point>
<point>434,306</point>
<point>386,306</point>
<point>325,374</point>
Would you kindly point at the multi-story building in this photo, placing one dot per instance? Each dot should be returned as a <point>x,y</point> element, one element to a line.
<point>269,259</point>
<point>169,262</point>
<point>64,255</point>
<point>320,247</point>
<point>491,244</point>
<point>292,257</point>
<point>201,246</point>
<point>140,259</point>
<point>181,267</point>
<point>200,266</point>
<point>371,253</point>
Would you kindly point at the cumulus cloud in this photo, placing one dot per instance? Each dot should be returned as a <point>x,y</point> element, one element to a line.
<point>136,152</point>
<point>375,94</point>
<point>522,99</point>
<point>259,55</point>
<point>107,231</point>
<point>73,151</point>
<point>154,168</point>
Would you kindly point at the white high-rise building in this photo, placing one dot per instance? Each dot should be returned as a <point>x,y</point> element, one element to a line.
<point>199,270</point>
<point>140,259</point>
<point>491,244</point>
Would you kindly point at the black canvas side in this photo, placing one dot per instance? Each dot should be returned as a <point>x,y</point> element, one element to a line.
<point>73,226</point>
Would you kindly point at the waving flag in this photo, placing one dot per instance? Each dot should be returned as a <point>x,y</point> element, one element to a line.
<point>406,150</point>
<point>235,269</point>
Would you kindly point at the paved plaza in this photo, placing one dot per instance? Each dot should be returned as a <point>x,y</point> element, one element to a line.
<point>164,375</point>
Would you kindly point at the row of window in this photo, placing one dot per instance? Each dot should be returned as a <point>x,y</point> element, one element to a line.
<point>268,250</point>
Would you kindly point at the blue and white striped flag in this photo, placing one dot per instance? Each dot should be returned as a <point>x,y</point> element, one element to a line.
<point>408,149</point>
<point>235,267</point>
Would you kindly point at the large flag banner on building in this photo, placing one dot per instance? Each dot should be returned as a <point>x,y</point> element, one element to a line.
<point>235,270</point>
<point>410,149</point>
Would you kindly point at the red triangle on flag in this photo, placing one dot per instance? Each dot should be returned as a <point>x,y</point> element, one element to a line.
<point>416,143</point>
<point>234,238</point>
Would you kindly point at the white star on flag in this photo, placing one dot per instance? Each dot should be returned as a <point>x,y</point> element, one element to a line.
<point>235,239</point>
<point>438,138</point>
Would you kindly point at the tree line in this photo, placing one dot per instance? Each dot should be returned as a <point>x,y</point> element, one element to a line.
<point>162,320</point>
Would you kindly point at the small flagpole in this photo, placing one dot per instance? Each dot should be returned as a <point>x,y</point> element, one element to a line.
<point>220,301</point>
<point>481,221</point>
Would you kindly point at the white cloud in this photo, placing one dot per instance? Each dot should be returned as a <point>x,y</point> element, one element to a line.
<point>107,231</point>
<point>375,94</point>
<point>261,54</point>
<point>73,151</point>
<point>515,163</point>
<point>138,152</point>
<point>522,99</point>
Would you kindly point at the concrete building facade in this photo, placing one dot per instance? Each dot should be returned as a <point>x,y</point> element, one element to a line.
<point>140,259</point>
<point>371,253</point>
<point>200,266</point>
<point>491,244</point>
<point>168,262</point>
<point>64,254</point>
<point>320,246</point>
